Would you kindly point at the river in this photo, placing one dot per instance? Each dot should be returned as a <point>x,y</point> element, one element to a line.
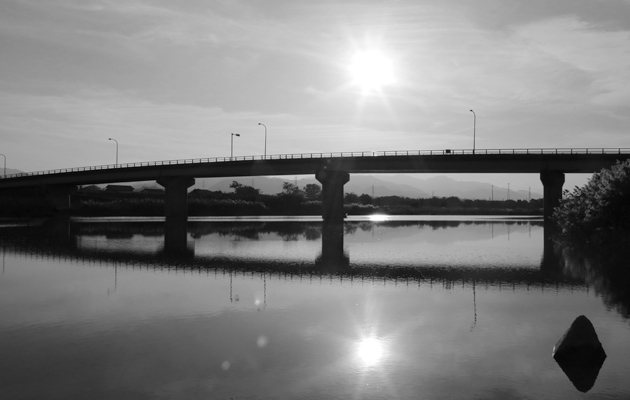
<point>266,308</point>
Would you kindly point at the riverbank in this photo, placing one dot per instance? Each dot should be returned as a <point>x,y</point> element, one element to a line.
<point>228,207</point>
<point>136,204</point>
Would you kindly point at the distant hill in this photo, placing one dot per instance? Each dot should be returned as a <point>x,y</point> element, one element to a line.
<point>442,186</point>
<point>10,170</point>
<point>394,185</point>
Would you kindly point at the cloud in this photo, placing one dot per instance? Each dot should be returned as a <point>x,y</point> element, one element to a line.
<point>59,131</point>
<point>72,129</point>
<point>176,78</point>
<point>584,48</point>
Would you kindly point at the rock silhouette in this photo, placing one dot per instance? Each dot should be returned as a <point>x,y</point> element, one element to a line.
<point>580,354</point>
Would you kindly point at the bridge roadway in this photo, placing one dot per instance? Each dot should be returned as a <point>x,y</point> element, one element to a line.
<point>332,170</point>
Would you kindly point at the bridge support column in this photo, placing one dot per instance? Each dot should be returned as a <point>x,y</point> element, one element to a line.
<point>59,195</point>
<point>332,193</point>
<point>176,212</point>
<point>552,183</point>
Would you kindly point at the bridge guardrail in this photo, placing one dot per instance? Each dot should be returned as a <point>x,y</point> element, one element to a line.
<point>444,152</point>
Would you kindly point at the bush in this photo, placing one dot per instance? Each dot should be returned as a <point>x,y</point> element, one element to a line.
<point>225,207</point>
<point>120,207</point>
<point>360,209</point>
<point>603,203</point>
<point>25,207</point>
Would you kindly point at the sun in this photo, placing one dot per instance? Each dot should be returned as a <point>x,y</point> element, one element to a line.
<point>371,70</point>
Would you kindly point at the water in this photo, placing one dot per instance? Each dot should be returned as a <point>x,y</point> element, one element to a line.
<point>435,308</point>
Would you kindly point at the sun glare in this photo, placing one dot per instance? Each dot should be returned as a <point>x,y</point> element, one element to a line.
<point>371,70</point>
<point>370,351</point>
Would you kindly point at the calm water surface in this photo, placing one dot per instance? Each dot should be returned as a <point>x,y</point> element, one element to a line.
<point>408,308</point>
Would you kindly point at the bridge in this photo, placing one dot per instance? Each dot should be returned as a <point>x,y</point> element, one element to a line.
<point>332,170</point>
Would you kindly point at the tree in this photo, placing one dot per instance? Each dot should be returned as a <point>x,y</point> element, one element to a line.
<point>290,189</point>
<point>313,191</point>
<point>292,193</point>
<point>365,199</point>
<point>351,198</point>
<point>244,192</point>
<point>603,203</point>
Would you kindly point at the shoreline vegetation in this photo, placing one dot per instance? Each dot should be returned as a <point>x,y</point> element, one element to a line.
<point>599,211</point>
<point>594,226</point>
<point>246,200</point>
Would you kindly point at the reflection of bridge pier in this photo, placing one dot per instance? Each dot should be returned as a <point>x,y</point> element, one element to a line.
<point>176,237</point>
<point>333,257</point>
<point>53,241</point>
<point>550,264</point>
<point>59,229</point>
<point>176,213</point>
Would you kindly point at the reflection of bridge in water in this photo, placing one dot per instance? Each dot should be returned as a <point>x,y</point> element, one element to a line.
<point>59,240</point>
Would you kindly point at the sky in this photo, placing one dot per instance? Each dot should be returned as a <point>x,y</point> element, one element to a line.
<point>172,80</point>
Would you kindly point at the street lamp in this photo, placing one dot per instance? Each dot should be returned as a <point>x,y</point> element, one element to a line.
<point>4,171</point>
<point>260,123</point>
<point>474,129</point>
<point>232,145</point>
<point>116,150</point>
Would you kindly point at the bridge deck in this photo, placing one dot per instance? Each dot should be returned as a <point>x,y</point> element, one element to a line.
<point>429,161</point>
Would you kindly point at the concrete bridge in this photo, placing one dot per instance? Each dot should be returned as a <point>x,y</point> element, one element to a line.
<point>332,170</point>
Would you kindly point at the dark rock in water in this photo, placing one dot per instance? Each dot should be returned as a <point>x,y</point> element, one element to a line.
<point>580,336</point>
<point>580,354</point>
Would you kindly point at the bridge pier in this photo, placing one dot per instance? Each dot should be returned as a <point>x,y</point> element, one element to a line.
<point>176,212</point>
<point>332,193</point>
<point>59,195</point>
<point>552,183</point>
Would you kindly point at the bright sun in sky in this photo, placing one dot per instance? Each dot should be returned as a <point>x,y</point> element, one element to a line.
<point>371,70</point>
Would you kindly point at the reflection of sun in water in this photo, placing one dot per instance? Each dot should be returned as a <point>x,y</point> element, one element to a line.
<point>370,351</point>
<point>371,70</point>
<point>378,217</point>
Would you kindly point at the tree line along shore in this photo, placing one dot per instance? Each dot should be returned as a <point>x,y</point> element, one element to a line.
<point>246,200</point>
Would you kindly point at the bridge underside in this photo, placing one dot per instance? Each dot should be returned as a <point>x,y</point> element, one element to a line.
<point>332,172</point>
<point>332,180</point>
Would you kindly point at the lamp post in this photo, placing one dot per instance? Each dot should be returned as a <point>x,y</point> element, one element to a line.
<point>474,129</point>
<point>116,150</point>
<point>260,123</point>
<point>4,171</point>
<point>232,144</point>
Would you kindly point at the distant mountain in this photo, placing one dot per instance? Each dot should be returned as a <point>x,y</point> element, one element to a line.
<point>391,185</point>
<point>442,186</point>
<point>10,171</point>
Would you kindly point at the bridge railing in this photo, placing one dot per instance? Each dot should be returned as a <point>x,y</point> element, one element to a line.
<point>443,152</point>
<point>503,151</point>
